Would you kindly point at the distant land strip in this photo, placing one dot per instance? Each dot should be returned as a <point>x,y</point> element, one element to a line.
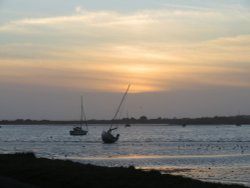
<point>217,120</point>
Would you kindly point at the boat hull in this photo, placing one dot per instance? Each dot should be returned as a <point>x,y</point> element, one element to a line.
<point>108,138</point>
<point>78,131</point>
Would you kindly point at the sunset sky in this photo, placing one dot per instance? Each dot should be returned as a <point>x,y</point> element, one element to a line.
<point>184,58</point>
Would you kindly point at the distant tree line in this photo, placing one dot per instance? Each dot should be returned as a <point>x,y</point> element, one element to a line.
<point>217,120</point>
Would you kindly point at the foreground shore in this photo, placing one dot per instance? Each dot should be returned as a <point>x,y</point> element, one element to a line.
<point>27,171</point>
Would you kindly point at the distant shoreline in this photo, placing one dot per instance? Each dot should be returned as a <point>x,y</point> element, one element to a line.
<point>222,120</point>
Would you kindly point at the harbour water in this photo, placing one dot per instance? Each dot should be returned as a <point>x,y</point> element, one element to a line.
<point>209,153</point>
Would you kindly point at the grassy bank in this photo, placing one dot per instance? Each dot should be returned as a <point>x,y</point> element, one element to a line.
<point>25,170</point>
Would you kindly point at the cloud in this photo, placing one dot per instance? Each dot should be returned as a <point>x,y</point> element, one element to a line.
<point>111,18</point>
<point>237,41</point>
<point>78,9</point>
<point>154,49</point>
<point>177,25</point>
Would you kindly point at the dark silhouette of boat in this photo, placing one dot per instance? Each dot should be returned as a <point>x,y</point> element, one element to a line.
<point>127,125</point>
<point>107,136</point>
<point>238,124</point>
<point>78,130</point>
<point>238,120</point>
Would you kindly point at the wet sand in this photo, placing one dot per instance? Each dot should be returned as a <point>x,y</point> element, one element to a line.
<point>209,174</point>
<point>41,172</point>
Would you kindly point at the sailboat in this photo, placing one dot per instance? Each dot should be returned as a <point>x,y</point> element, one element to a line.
<point>127,124</point>
<point>238,121</point>
<point>107,136</point>
<point>78,130</point>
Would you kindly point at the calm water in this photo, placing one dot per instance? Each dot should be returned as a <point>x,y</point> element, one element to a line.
<point>210,153</point>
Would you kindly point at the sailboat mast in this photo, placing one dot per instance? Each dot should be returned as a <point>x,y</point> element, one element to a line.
<point>119,106</point>
<point>81,109</point>
<point>83,115</point>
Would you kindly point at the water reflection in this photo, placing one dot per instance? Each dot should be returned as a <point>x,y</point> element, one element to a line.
<point>203,152</point>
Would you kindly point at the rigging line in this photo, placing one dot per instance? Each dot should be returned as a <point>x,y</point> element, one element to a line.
<point>119,106</point>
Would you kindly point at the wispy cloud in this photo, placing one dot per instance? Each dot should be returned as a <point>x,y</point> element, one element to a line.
<point>109,18</point>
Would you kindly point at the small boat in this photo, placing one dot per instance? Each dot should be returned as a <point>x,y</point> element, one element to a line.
<point>78,130</point>
<point>238,120</point>
<point>127,125</point>
<point>107,136</point>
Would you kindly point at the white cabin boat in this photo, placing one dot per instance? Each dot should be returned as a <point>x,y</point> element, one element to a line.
<point>78,130</point>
